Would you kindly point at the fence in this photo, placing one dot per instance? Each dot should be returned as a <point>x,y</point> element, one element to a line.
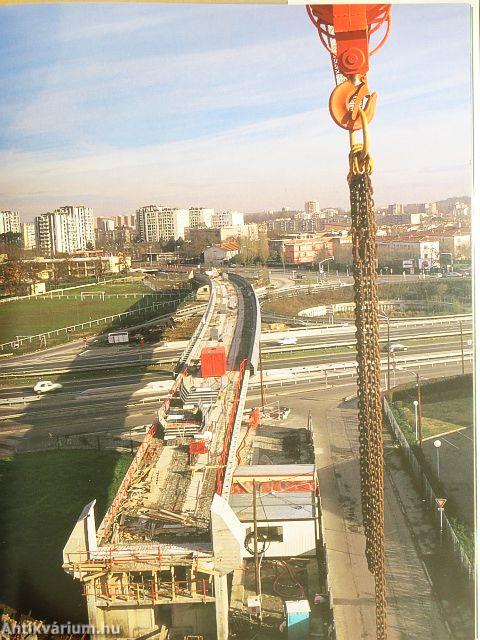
<point>52,292</point>
<point>449,535</point>
<point>101,295</point>
<point>42,337</point>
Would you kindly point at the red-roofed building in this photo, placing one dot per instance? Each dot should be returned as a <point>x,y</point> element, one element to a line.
<point>220,253</point>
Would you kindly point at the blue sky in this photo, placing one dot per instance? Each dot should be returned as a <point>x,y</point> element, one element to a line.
<point>121,105</point>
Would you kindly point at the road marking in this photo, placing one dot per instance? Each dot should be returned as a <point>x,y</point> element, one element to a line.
<point>446,433</point>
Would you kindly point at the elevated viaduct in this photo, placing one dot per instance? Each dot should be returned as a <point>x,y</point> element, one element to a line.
<point>163,556</point>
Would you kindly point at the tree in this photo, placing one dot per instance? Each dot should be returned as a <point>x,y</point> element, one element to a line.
<point>263,249</point>
<point>16,274</point>
<point>11,244</point>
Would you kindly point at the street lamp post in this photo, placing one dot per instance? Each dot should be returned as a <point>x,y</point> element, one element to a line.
<point>419,404</point>
<point>437,444</point>
<point>461,348</point>
<point>321,262</point>
<point>384,316</point>
<point>415,408</point>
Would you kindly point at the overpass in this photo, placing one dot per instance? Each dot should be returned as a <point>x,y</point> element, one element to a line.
<point>163,555</point>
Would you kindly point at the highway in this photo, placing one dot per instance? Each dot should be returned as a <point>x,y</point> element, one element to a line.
<point>304,358</point>
<point>115,402</point>
<point>75,357</point>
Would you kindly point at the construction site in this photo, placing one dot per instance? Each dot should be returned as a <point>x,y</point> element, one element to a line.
<point>160,559</point>
<point>173,554</point>
<point>218,527</point>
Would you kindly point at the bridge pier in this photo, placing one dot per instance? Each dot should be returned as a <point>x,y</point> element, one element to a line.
<point>221,606</point>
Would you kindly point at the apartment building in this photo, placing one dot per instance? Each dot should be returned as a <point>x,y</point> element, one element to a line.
<point>156,223</point>
<point>312,207</point>
<point>228,219</point>
<point>9,222</point>
<point>306,250</point>
<point>83,221</point>
<point>65,230</point>
<point>83,266</point>
<point>395,209</point>
<point>423,251</point>
<point>457,242</point>
<point>105,224</point>
<point>200,217</point>
<point>27,229</point>
<point>398,219</point>
<point>125,221</point>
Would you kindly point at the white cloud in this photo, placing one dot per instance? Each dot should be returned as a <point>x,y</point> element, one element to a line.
<point>282,161</point>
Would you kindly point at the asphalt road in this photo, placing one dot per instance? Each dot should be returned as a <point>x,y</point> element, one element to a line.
<point>117,405</point>
<point>77,357</point>
<point>74,356</point>
<point>303,358</point>
<point>425,590</point>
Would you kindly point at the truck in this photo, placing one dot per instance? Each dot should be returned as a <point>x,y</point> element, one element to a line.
<point>116,337</point>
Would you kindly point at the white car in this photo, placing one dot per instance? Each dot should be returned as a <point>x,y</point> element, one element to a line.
<point>397,346</point>
<point>287,340</point>
<point>44,386</point>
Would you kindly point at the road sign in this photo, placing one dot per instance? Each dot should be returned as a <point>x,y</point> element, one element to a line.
<point>440,502</point>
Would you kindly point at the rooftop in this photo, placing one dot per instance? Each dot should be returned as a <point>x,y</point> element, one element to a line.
<point>274,506</point>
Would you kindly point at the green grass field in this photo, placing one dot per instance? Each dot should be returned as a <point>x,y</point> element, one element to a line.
<point>35,316</point>
<point>447,405</point>
<point>41,496</point>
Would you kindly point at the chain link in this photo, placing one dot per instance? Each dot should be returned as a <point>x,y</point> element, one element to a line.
<point>368,373</point>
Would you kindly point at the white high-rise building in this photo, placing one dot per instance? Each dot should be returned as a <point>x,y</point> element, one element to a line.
<point>28,235</point>
<point>156,222</point>
<point>105,224</point>
<point>9,222</point>
<point>83,220</point>
<point>228,219</point>
<point>200,217</point>
<point>65,230</point>
<point>312,207</point>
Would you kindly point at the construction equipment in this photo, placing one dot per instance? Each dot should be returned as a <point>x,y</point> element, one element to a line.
<point>345,31</point>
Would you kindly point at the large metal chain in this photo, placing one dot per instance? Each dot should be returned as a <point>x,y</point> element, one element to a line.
<point>368,372</point>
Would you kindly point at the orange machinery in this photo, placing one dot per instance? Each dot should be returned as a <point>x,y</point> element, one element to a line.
<point>345,31</point>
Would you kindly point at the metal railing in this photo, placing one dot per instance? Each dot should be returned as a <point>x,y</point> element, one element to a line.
<point>15,344</point>
<point>449,535</point>
<point>189,350</point>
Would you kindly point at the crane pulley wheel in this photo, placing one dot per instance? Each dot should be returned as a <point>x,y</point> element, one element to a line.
<point>346,102</point>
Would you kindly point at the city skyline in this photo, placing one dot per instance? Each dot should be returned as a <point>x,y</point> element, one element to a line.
<point>234,119</point>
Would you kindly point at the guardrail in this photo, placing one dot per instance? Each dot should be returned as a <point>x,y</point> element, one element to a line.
<point>302,375</point>
<point>253,353</point>
<point>347,343</point>
<point>416,470</point>
<point>189,350</point>
<point>31,373</point>
<point>298,289</point>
